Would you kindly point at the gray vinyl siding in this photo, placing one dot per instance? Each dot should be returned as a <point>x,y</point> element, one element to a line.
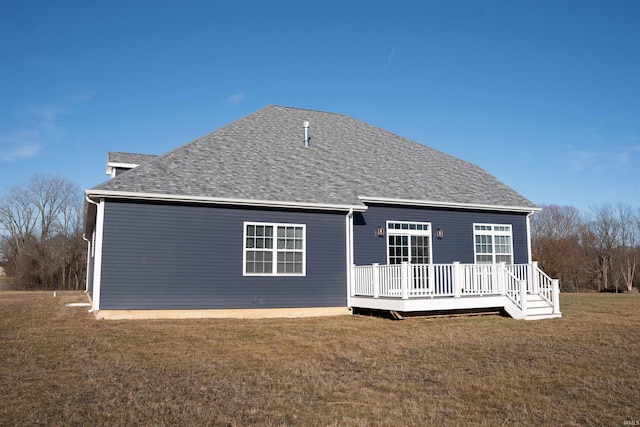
<point>181,256</point>
<point>120,171</point>
<point>457,243</point>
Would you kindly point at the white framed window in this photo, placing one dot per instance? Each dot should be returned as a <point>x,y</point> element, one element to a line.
<point>408,242</point>
<point>493,243</point>
<point>272,249</point>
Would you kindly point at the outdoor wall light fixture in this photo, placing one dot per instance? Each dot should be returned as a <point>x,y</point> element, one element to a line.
<point>439,233</point>
<point>380,231</point>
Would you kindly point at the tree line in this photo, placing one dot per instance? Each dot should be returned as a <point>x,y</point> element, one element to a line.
<point>42,247</point>
<point>598,250</point>
<point>41,244</point>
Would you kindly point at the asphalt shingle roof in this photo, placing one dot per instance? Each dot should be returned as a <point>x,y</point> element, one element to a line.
<point>128,158</point>
<point>262,157</point>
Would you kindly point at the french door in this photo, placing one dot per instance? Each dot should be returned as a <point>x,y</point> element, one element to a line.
<point>408,248</point>
<point>410,242</point>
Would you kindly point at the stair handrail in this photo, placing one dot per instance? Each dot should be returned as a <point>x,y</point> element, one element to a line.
<point>549,289</point>
<point>545,285</point>
<point>513,288</point>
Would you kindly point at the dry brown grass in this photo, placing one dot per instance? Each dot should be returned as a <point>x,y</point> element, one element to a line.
<point>59,366</point>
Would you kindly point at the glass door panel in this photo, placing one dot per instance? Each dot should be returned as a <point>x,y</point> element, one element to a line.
<point>419,250</point>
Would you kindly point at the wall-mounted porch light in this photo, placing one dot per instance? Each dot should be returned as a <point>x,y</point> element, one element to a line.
<point>380,231</point>
<point>439,233</point>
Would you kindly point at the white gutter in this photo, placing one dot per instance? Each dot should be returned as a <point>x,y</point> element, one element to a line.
<point>220,200</point>
<point>454,205</point>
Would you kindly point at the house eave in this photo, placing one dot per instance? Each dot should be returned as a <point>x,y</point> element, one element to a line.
<point>112,165</point>
<point>110,194</point>
<point>450,205</point>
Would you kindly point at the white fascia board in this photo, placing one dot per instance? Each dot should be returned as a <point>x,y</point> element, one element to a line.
<point>453,205</point>
<point>111,165</point>
<point>219,200</point>
<point>122,165</point>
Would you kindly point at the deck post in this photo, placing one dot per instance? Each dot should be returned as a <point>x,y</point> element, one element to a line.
<point>457,282</point>
<point>523,296</point>
<point>351,280</point>
<point>404,279</point>
<point>375,276</point>
<point>535,286</point>
<point>501,279</point>
<point>555,283</point>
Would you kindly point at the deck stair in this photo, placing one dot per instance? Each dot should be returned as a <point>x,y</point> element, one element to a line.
<point>539,308</point>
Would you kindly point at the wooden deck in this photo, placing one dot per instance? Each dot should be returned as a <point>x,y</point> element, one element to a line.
<point>523,290</point>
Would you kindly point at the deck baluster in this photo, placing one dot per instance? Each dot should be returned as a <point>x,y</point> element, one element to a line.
<point>457,280</point>
<point>376,280</point>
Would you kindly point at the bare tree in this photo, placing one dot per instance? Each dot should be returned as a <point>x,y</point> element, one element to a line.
<point>627,251</point>
<point>34,219</point>
<point>590,259</point>
<point>18,219</point>
<point>606,228</point>
<point>555,243</point>
<point>72,248</point>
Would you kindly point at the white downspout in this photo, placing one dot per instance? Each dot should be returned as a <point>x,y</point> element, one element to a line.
<point>86,281</point>
<point>530,259</point>
<point>349,252</point>
<point>97,263</point>
<point>86,285</point>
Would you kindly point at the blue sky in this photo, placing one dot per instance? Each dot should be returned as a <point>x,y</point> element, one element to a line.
<point>545,95</point>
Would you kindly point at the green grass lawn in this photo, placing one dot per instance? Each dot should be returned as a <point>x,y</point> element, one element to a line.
<point>60,366</point>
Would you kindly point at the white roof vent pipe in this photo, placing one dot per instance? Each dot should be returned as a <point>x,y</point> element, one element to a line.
<point>307,138</point>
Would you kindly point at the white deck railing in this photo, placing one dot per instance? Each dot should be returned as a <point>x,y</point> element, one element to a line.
<point>454,280</point>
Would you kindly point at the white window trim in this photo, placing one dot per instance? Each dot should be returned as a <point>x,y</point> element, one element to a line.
<point>274,250</point>
<point>409,232</point>
<point>493,233</point>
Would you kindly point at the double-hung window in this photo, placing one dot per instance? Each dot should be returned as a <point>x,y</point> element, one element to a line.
<point>272,249</point>
<point>493,243</point>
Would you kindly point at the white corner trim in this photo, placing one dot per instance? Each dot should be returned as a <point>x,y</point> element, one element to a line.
<point>349,252</point>
<point>219,200</point>
<point>431,203</point>
<point>97,262</point>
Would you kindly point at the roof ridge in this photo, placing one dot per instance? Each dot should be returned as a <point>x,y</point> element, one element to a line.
<point>367,124</point>
<point>312,110</point>
<point>130,152</point>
